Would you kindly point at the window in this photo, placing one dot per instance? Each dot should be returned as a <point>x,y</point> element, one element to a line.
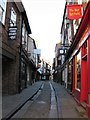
<point>79,1</point>
<point>84,55</point>
<point>70,1</point>
<point>13,17</point>
<point>24,37</point>
<point>1,13</point>
<point>23,74</point>
<point>23,33</point>
<point>2,10</point>
<point>84,4</point>
<point>85,0</point>
<point>78,68</point>
<point>12,25</point>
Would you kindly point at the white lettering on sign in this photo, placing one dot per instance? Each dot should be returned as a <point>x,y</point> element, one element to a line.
<point>12,33</point>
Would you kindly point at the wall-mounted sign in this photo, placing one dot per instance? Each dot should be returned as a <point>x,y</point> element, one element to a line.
<point>12,32</point>
<point>61,51</point>
<point>74,11</point>
<point>37,51</point>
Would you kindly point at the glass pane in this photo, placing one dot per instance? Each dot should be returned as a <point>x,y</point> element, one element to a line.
<point>2,3</point>
<point>22,40</point>
<point>26,37</point>
<point>13,18</point>
<point>78,69</point>
<point>1,14</point>
<point>23,30</point>
<point>2,10</point>
<point>79,1</point>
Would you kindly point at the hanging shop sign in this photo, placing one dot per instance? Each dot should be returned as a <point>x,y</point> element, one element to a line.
<point>62,51</point>
<point>74,11</point>
<point>12,32</point>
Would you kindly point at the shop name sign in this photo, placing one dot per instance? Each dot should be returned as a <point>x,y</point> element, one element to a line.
<point>74,11</point>
<point>12,32</point>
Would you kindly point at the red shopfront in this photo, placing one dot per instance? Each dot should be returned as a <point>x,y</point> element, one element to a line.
<point>81,61</point>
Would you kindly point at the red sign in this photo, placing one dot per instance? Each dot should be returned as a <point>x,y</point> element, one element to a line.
<point>74,11</point>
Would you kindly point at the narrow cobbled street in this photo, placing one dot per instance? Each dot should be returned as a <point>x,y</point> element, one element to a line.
<point>44,59</point>
<point>50,100</point>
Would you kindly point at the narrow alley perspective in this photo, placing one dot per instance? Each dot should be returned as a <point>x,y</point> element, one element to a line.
<point>45,59</point>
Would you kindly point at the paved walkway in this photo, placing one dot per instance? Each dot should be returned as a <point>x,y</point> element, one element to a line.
<point>13,102</point>
<point>67,106</point>
<point>66,103</point>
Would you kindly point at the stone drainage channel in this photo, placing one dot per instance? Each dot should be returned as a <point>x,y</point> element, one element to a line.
<point>53,107</point>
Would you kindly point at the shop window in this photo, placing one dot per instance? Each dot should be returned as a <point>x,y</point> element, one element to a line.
<point>23,74</point>
<point>23,67</point>
<point>69,86</point>
<point>13,17</point>
<point>78,68</point>
<point>84,55</point>
<point>2,10</point>
<point>69,72</point>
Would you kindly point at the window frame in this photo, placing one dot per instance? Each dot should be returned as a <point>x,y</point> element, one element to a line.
<point>24,37</point>
<point>3,4</point>
<point>13,14</point>
<point>78,84</point>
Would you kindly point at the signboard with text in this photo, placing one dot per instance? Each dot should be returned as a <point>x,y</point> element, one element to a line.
<point>74,11</point>
<point>12,32</point>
